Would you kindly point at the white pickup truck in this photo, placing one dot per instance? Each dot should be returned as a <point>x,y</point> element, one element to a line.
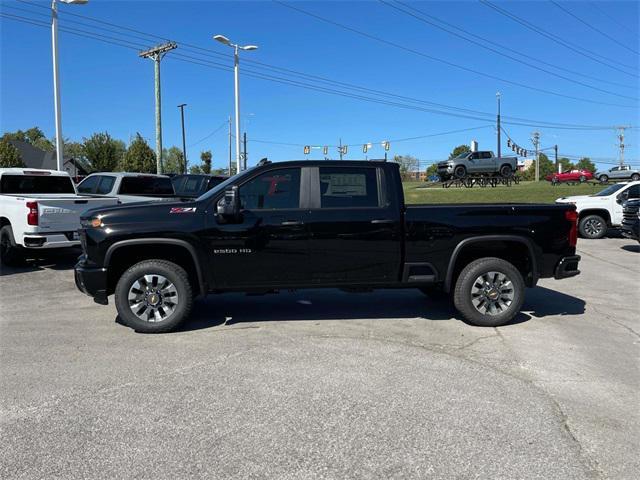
<point>602,210</point>
<point>40,209</point>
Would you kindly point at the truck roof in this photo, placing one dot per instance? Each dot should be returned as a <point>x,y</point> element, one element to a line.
<point>34,171</point>
<point>129,174</point>
<point>332,163</point>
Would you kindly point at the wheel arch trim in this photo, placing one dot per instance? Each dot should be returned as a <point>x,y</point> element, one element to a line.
<point>489,238</point>
<point>163,241</point>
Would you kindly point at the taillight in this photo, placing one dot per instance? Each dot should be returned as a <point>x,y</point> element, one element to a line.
<point>572,216</point>
<point>32,216</point>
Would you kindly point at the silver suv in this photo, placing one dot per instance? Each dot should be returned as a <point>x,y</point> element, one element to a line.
<point>621,172</point>
<point>477,163</point>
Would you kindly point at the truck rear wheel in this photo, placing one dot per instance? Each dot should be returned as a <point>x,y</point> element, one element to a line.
<point>154,296</point>
<point>11,254</point>
<point>635,177</point>
<point>489,292</point>
<point>592,226</point>
<point>506,171</point>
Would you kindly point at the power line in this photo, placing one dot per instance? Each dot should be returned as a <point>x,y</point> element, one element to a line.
<point>455,31</point>
<point>220,66</point>
<point>521,121</point>
<point>441,60</point>
<point>560,41</point>
<point>568,12</point>
<point>209,136</point>
<point>617,22</point>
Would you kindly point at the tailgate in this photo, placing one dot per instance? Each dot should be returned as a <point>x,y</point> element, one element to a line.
<point>61,215</point>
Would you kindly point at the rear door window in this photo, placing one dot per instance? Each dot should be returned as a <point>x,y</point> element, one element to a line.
<point>146,185</point>
<point>348,187</point>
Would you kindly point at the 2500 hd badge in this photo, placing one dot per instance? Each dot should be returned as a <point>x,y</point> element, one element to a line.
<point>320,224</point>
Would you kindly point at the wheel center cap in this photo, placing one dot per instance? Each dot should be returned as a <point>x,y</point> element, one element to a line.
<point>154,299</point>
<point>493,294</point>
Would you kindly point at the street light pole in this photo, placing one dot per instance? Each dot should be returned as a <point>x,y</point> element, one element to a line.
<point>56,80</point>
<point>184,145</point>
<point>498,126</point>
<point>236,73</point>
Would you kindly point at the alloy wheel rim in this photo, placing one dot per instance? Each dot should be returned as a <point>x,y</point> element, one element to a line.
<point>593,226</point>
<point>492,293</point>
<point>153,298</point>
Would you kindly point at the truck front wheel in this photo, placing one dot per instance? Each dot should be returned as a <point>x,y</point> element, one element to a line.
<point>11,255</point>
<point>489,292</point>
<point>592,226</point>
<point>460,171</point>
<point>154,296</point>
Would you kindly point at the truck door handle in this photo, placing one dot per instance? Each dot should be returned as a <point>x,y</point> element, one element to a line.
<point>382,221</point>
<point>292,223</point>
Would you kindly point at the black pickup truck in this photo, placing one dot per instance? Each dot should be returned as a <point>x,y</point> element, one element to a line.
<point>308,224</point>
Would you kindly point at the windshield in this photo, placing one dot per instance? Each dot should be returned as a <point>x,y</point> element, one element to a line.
<point>609,190</point>
<point>143,185</point>
<point>35,184</point>
<point>223,186</point>
<point>188,185</point>
<point>463,155</point>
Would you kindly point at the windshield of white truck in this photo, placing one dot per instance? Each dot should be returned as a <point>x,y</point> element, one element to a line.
<point>29,184</point>
<point>609,190</point>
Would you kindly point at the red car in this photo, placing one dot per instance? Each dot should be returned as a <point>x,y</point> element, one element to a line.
<point>570,176</point>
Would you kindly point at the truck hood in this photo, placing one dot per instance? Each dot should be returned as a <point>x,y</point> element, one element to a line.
<point>574,199</point>
<point>142,211</point>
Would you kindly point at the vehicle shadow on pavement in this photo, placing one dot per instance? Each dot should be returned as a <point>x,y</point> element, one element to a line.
<point>53,260</point>
<point>544,302</point>
<point>631,248</point>
<point>318,305</point>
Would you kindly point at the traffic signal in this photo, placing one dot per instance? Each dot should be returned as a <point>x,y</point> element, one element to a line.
<point>307,149</point>
<point>386,146</point>
<point>365,147</point>
<point>344,150</point>
<point>325,150</point>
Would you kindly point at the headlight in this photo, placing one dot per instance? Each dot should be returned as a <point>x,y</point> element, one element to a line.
<point>93,222</point>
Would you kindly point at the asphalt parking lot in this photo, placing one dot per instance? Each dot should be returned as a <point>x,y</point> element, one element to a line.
<point>324,384</point>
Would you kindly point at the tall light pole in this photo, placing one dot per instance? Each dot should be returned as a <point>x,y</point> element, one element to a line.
<point>236,72</point>
<point>498,126</point>
<point>56,79</point>
<point>184,145</point>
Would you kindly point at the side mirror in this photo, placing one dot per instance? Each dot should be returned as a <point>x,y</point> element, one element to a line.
<point>228,207</point>
<point>623,197</point>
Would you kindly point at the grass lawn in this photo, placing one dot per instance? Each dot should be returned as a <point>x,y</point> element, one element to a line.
<point>525,192</point>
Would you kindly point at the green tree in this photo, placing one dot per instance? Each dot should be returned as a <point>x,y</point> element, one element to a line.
<point>586,164</point>
<point>565,164</point>
<point>102,152</point>
<point>458,150</point>
<point>35,136</point>
<point>546,168</point>
<point>139,157</point>
<point>195,169</point>
<point>408,165</point>
<point>74,150</point>
<point>432,169</point>
<point>206,158</point>
<point>173,160</point>
<point>9,155</point>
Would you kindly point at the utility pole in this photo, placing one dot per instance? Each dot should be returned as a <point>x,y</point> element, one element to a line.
<point>498,126</point>
<point>244,151</point>
<point>536,143</point>
<point>156,54</point>
<point>621,144</point>
<point>340,149</point>
<point>230,161</point>
<point>184,146</point>
<point>555,149</point>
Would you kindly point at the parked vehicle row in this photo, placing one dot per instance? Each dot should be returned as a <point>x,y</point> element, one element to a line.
<point>602,210</point>
<point>328,224</point>
<point>40,209</point>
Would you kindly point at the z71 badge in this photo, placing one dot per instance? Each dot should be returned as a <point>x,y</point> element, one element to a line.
<point>183,210</point>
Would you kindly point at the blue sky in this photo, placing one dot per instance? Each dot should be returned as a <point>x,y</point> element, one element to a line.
<point>108,88</point>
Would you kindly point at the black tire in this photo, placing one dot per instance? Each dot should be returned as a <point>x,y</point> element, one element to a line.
<point>11,254</point>
<point>460,171</point>
<point>509,294</point>
<point>603,178</point>
<point>506,171</point>
<point>592,226</point>
<point>555,181</point>
<point>174,274</point>
<point>635,177</point>
<point>583,179</point>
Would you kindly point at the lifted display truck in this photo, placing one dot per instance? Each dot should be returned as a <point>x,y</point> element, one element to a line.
<point>320,224</point>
